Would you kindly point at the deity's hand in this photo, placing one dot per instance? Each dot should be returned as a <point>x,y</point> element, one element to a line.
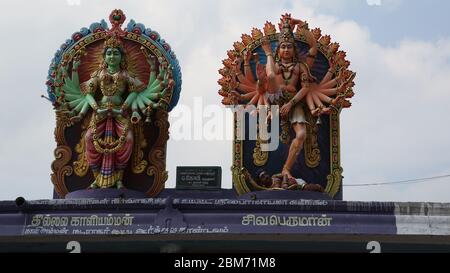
<point>162,65</point>
<point>261,86</point>
<point>237,65</point>
<point>333,65</point>
<point>125,108</point>
<point>76,62</point>
<point>261,73</point>
<point>286,109</point>
<point>151,61</point>
<point>235,95</point>
<point>117,112</point>
<point>233,82</point>
<point>248,56</point>
<point>288,88</point>
<point>171,83</point>
<point>135,117</point>
<point>299,22</point>
<point>102,111</point>
<point>168,75</point>
<point>265,44</point>
<point>76,118</point>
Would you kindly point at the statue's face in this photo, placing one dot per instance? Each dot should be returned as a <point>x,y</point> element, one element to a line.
<point>286,51</point>
<point>113,57</point>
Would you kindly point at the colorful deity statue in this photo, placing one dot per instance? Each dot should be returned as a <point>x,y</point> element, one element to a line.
<point>109,139</point>
<point>304,74</point>
<point>113,89</point>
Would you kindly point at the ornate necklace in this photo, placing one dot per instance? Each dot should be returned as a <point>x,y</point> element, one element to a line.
<point>289,68</point>
<point>109,90</point>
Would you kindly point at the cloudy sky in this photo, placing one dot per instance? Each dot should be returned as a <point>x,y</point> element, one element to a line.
<point>396,130</point>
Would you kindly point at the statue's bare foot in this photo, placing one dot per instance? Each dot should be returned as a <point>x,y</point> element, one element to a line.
<point>93,185</point>
<point>292,184</point>
<point>276,184</point>
<point>289,182</point>
<point>119,185</point>
<point>236,95</point>
<point>287,173</point>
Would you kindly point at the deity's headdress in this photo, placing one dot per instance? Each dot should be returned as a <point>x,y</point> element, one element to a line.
<point>115,35</point>
<point>286,33</point>
<point>286,25</point>
<point>114,42</point>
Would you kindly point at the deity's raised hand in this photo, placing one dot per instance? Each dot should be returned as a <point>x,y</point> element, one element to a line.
<point>265,44</point>
<point>151,61</point>
<point>76,118</point>
<point>236,68</point>
<point>76,63</point>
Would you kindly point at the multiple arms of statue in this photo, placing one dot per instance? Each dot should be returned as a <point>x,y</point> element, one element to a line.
<point>312,52</point>
<point>157,88</point>
<point>78,102</point>
<point>158,85</point>
<point>152,96</point>
<point>270,66</point>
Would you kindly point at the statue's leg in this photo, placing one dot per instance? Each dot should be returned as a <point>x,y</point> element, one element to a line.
<point>106,177</point>
<point>119,183</point>
<point>93,157</point>
<point>122,157</point>
<point>298,124</point>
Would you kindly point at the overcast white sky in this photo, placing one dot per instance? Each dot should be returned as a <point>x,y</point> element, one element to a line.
<point>396,130</point>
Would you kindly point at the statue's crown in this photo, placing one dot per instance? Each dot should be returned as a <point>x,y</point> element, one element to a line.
<point>286,33</point>
<point>113,41</point>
